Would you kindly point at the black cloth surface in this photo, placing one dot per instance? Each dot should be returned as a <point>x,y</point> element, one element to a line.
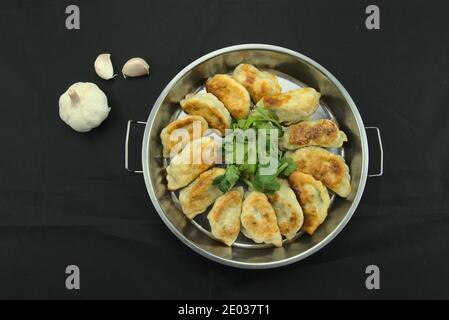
<point>65,197</point>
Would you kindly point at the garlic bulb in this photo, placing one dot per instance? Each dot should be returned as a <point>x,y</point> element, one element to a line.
<point>136,67</point>
<point>103,66</point>
<point>83,106</point>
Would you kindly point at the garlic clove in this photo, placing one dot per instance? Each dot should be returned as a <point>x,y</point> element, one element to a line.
<point>103,66</point>
<point>136,67</point>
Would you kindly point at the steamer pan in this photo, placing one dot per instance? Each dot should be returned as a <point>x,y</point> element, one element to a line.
<point>281,61</point>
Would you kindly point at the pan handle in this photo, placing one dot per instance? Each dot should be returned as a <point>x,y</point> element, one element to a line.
<point>128,129</point>
<point>381,170</point>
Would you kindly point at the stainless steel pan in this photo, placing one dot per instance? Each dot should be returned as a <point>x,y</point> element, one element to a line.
<point>293,69</point>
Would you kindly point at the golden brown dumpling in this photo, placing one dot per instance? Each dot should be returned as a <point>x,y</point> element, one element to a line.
<point>258,83</point>
<point>292,106</point>
<point>259,219</point>
<point>233,95</point>
<point>224,217</point>
<point>325,166</point>
<point>197,156</point>
<point>288,211</point>
<point>313,197</point>
<point>323,133</point>
<point>210,108</point>
<point>187,123</point>
<point>201,193</point>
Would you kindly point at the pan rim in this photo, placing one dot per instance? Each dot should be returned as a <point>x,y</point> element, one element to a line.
<point>255,265</point>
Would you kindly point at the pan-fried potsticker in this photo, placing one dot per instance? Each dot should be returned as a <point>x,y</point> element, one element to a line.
<point>224,217</point>
<point>258,83</point>
<point>201,193</point>
<point>322,133</point>
<point>179,132</point>
<point>325,166</point>
<point>197,156</point>
<point>210,108</point>
<point>313,197</point>
<point>288,211</point>
<point>233,95</point>
<point>259,219</point>
<point>292,106</point>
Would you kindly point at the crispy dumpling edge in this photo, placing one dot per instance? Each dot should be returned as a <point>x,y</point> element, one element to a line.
<point>277,240</point>
<point>278,110</point>
<point>228,242</point>
<point>169,176</point>
<point>324,197</point>
<point>216,171</point>
<point>165,136</point>
<point>337,143</point>
<point>273,78</point>
<point>344,188</point>
<point>245,100</point>
<point>272,199</point>
<point>217,105</point>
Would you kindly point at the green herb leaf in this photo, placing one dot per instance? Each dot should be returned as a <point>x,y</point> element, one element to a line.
<point>247,169</point>
<point>267,115</point>
<point>227,180</point>
<point>288,166</point>
<point>259,119</point>
<point>266,183</point>
<point>240,124</point>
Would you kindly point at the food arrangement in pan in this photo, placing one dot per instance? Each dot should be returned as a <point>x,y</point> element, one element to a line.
<point>231,182</point>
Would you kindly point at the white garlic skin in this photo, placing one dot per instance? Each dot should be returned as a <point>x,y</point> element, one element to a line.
<point>136,67</point>
<point>103,66</point>
<point>83,106</point>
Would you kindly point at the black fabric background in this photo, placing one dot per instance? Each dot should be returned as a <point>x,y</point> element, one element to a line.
<point>65,197</point>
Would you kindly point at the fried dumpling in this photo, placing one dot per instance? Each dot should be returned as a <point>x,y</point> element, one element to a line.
<point>210,108</point>
<point>187,124</point>
<point>197,156</point>
<point>201,193</point>
<point>259,219</point>
<point>323,133</point>
<point>224,217</point>
<point>233,95</point>
<point>313,197</point>
<point>258,83</point>
<point>288,211</point>
<point>325,166</point>
<point>292,106</point>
